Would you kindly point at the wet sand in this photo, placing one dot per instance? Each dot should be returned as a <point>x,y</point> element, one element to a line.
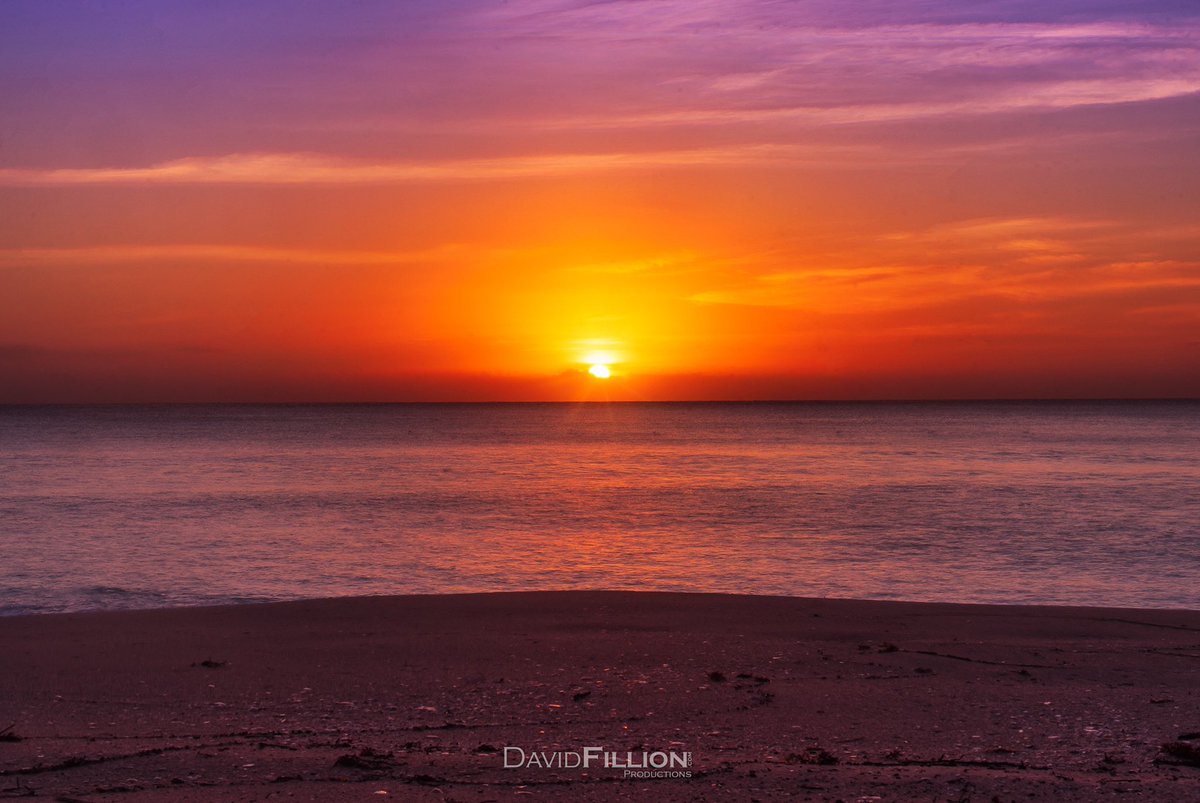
<point>416,698</point>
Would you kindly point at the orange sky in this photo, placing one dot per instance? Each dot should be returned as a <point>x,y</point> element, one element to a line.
<point>467,201</point>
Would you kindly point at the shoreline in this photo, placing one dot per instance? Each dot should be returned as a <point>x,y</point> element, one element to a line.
<point>482,596</point>
<point>772,697</point>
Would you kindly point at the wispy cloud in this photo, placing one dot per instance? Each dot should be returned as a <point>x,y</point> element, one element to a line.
<point>108,254</point>
<point>1038,262</point>
<point>1058,95</point>
<point>288,168</point>
<point>767,61</point>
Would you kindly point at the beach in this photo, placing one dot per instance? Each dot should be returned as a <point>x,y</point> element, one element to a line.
<point>767,698</point>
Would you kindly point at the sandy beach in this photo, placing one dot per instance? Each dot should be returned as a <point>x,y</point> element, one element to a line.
<point>417,698</point>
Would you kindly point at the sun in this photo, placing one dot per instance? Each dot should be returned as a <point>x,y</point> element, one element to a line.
<point>599,361</point>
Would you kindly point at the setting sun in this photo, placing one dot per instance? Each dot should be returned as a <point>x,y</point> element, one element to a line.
<point>600,371</point>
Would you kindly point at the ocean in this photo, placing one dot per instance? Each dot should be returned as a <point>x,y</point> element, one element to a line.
<point>1073,503</point>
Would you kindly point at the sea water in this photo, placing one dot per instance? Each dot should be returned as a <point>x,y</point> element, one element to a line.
<point>1092,503</point>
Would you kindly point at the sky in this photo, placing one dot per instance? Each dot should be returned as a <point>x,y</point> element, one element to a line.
<point>441,200</point>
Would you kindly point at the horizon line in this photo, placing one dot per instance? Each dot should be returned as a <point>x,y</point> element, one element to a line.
<point>481,402</point>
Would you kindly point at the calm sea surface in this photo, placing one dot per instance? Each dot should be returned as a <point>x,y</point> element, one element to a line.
<point>1073,503</point>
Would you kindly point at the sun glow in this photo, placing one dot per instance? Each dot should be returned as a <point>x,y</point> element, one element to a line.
<point>600,362</point>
